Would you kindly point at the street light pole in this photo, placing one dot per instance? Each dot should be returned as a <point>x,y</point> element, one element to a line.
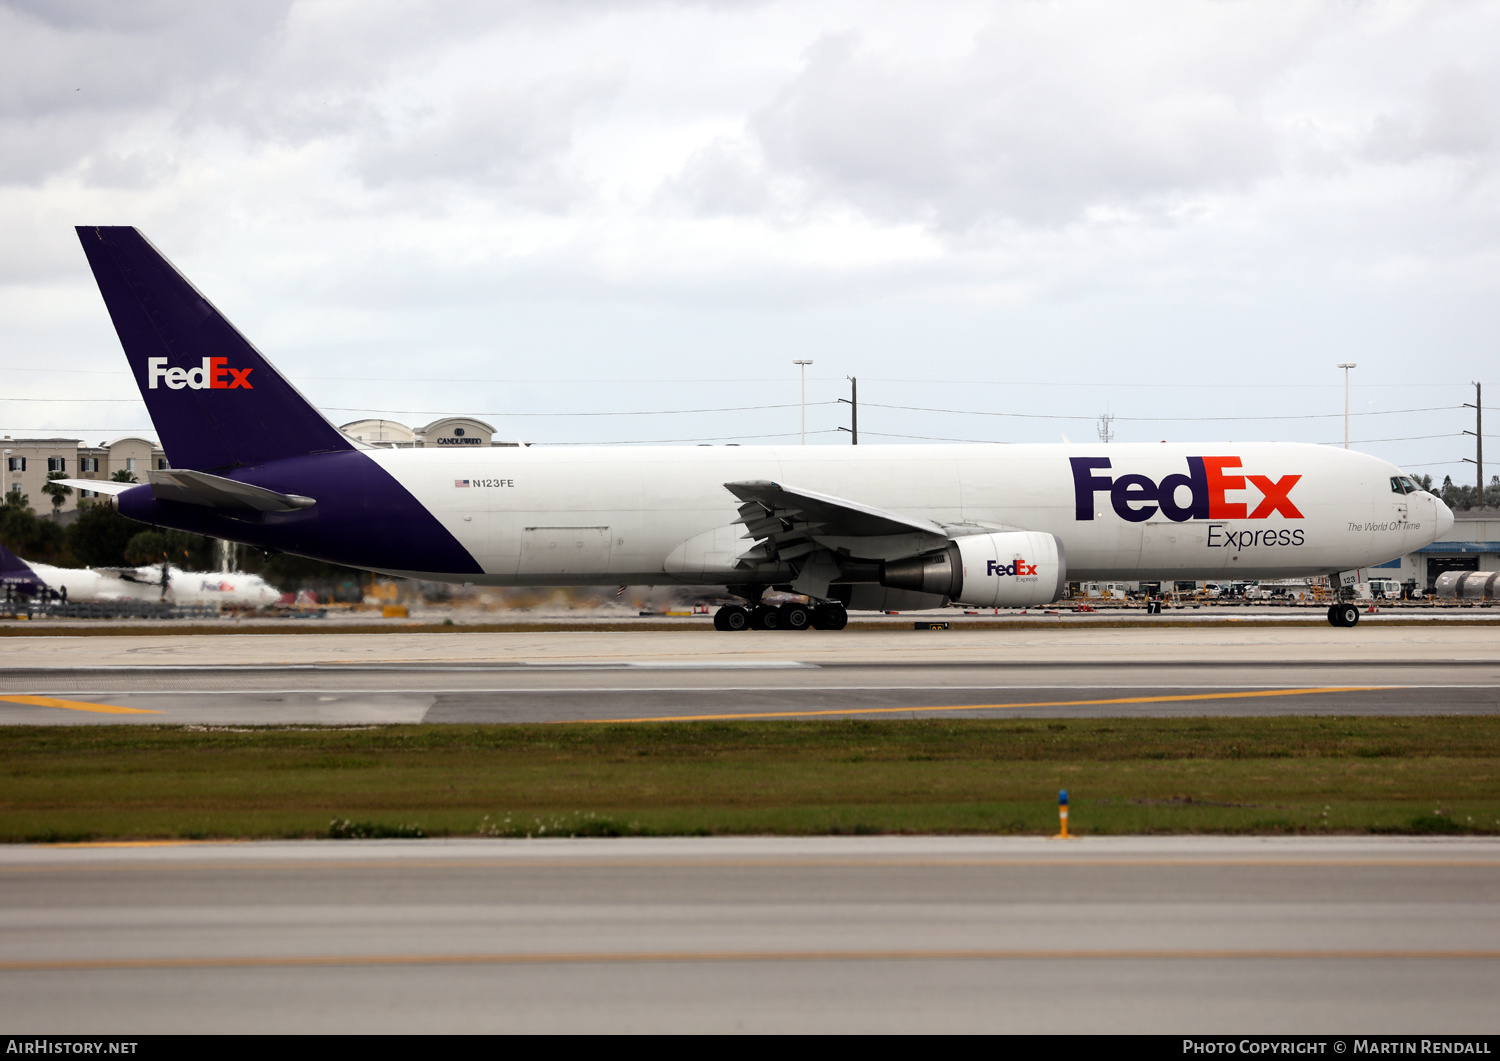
<point>804,365</point>
<point>1346,366</point>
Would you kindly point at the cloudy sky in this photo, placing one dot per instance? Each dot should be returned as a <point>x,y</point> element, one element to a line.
<point>1026,214</point>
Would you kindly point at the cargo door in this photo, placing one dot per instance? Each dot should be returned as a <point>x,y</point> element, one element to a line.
<point>572,551</point>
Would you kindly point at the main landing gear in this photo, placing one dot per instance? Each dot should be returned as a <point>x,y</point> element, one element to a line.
<point>1345,613</point>
<point>828,615</point>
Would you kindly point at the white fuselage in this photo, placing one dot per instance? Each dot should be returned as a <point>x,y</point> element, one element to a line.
<point>144,584</point>
<point>636,515</point>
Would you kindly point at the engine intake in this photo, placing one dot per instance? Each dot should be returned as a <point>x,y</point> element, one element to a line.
<point>1007,569</point>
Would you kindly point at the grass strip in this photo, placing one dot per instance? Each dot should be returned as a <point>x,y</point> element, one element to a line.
<point>1194,775</point>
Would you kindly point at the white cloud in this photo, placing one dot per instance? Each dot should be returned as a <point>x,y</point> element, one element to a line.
<point>1101,193</point>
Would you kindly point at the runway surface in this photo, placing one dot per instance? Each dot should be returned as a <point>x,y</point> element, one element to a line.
<point>856,934</point>
<point>557,677</point>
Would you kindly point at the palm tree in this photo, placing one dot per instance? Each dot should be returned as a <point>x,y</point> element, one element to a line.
<point>122,476</point>
<point>56,491</point>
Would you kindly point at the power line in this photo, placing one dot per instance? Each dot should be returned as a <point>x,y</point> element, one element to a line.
<point>460,379</point>
<point>793,405</point>
<point>90,430</point>
<point>1151,386</point>
<point>785,379</point>
<point>490,412</point>
<point>1408,438</point>
<point>648,412</point>
<point>939,438</point>
<point>664,441</point>
<point>1156,419</point>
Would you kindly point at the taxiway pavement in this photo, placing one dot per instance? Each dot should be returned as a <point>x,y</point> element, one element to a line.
<point>853,934</point>
<point>603,676</point>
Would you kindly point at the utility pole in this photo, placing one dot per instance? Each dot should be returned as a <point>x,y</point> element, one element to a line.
<point>853,402</point>
<point>1478,406</point>
<point>804,365</point>
<point>1346,366</point>
<point>1106,429</point>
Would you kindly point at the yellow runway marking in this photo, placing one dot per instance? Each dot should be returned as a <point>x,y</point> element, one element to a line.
<point>78,705</point>
<point>630,957</point>
<point>749,862</point>
<point>143,843</point>
<point>993,707</point>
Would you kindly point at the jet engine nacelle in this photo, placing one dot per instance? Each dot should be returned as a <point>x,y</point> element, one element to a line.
<point>1007,569</point>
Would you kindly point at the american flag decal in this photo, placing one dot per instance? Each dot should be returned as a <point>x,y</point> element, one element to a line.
<point>460,482</point>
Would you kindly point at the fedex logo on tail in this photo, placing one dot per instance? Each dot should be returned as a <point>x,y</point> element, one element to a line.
<point>213,374</point>
<point>1020,567</point>
<point>1209,481</point>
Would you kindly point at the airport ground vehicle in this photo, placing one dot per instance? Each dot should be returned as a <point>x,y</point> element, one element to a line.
<point>878,527</point>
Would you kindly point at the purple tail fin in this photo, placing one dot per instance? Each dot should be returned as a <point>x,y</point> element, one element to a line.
<point>17,573</point>
<point>215,400</point>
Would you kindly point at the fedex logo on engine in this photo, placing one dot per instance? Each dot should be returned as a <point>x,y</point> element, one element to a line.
<point>1020,567</point>
<point>1208,481</point>
<point>213,374</point>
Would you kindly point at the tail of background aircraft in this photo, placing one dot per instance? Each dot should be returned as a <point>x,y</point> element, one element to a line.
<point>17,573</point>
<point>215,400</point>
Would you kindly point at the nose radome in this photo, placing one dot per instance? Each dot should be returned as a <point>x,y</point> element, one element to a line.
<point>1444,518</point>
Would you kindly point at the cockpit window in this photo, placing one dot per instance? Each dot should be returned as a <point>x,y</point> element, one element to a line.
<point>1400,484</point>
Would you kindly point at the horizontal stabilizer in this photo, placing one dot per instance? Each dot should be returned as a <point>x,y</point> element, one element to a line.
<point>99,486</point>
<point>214,491</point>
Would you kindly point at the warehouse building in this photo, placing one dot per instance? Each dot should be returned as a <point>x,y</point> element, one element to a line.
<point>449,431</point>
<point>1472,545</point>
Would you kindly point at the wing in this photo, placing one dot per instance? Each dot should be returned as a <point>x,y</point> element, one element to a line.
<point>789,523</point>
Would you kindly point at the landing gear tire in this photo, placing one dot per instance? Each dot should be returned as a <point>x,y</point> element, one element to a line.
<point>731,617</point>
<point>1343,615</point>
<point>795,616</point>
<point>764,617</point>
<point>830,617</point>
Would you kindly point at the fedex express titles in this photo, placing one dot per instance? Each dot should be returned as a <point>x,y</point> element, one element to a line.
<point>1137,498</point>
